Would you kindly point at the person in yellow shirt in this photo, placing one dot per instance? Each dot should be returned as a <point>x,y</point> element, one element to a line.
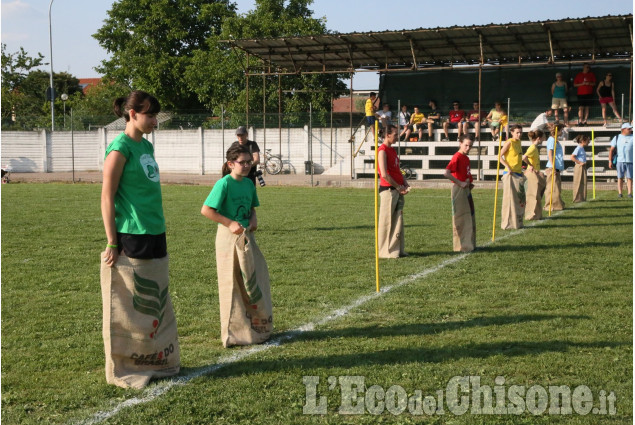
<point>536,181</point>
<point>513,181</point>
<point>370,109</point>
<point>417,122</point>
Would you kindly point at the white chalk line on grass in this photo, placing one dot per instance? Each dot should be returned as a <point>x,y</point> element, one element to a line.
<point>163,387</point>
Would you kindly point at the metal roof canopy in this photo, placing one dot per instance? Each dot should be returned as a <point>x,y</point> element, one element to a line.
<point>607,38</point>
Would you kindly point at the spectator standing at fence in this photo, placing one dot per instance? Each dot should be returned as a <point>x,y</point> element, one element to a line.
<point>242,135</point>
<point>456,117</point>
<point>370,108</point>
<point>392,188</point>
<point>511,155</point>
<point>579,173</point>
<point>463,217</point>
<point>434,118</point>
<point>136,252</point>
<point>417,122</point>
<point>584,82</point>
<point>494,119</point>
<point>474,118</point>
<point>535,180</point>
<point>606,93</point>
<point>559,91</point>
<point>404,123</point>
<point>555,156</point>
<point>622,146</point>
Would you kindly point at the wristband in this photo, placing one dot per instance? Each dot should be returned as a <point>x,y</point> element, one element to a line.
<point>110,246</point>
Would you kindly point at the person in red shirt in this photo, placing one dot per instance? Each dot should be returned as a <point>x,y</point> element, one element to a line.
<point>392,188</point>
<point>455,120</point>
<point>584,82</point>
<point>474,118</point>
<point>463,218</point>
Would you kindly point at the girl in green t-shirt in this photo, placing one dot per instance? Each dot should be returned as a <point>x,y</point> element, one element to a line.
<point>243,278</point>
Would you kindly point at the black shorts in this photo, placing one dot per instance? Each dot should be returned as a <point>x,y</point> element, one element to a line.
<point>455,124</point>
<point>143,247</point>
<point>586,99</point>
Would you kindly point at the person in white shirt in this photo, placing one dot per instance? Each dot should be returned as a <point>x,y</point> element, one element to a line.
<point>542,122</point>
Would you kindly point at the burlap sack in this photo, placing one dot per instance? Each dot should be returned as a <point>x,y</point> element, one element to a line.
<point>534,190</point>
<point>390,225</point>
<point>513,209</point>
<point>139,327</point>
<point>558,203</point>
<point>463,219</point>
<point>244,291</point>
<point>579,183</point>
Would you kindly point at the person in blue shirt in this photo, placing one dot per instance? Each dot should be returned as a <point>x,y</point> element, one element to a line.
<point>622,146</point>
<point>552,146</point>
<point>579,173</point>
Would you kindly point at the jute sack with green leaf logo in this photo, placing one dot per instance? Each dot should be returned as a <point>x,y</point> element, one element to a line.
<point>513,209</point>
<point>139,327</point>
<point>463,219</point>
<point>244,291</point>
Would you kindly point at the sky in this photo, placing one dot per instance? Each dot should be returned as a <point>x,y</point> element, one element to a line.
<point>25,23</point>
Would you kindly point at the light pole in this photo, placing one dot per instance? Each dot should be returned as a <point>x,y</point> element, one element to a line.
<point>64,98</point>
<point>52,89</point>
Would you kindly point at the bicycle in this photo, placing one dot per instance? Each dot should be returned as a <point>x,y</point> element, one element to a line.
<point>406,172</point>
<point>271,163</point>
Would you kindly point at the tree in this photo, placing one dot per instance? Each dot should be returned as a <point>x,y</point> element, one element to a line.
<point>24,102</point>
<point>217,73</point>
<point>152,43</point>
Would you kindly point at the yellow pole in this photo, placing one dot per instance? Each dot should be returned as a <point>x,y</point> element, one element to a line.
<point>376,210</point>
<point>498,167</point>
<point>553,169</point>
<point>593,158</point>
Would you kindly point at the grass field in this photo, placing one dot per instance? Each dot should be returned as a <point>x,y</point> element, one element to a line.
<point>550,305</point>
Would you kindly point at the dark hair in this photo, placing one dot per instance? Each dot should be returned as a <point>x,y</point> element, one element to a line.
<point>515,126</point>
<point>559,127</point>
<point>232,155</point>
<point>372,93</point>
<point>581,138</point>
<point>466,136</point>
<point>138,101</point>
<point>535,134</point>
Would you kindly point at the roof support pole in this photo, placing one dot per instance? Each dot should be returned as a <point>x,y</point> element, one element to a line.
<point>412,52</point>
<point>247,95</point>
<point>264,112</point>
<point>279,114</point>
<point>480,87</point>
<point>351,123</point>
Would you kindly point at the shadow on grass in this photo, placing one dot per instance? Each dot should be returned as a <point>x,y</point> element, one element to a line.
<point>360,227</point>
<point>532,248</point>
<point>430,328</point>
<point>410,355</point>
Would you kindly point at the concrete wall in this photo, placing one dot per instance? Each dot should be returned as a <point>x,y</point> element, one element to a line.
<point>196,151</point>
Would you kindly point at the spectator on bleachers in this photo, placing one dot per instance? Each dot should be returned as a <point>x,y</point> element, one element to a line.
<point>559,91</point>
<point>474,119</point>
<point>494,119</point>
<point>404,123</point>
<point>384,116</point>
<point>542,122</point>
<point>584,82</point>
<point>606,93</point>
<point>418,122</point>
<point>456,117</point>
<point>434,118</point>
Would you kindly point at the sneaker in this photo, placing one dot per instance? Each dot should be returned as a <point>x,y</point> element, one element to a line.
<point>630,196</point>
<point>445,139</point>
<point>619,195</point>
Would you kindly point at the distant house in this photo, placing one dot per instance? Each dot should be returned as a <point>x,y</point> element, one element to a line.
<point>343,104</point>
<point>87,83</point>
